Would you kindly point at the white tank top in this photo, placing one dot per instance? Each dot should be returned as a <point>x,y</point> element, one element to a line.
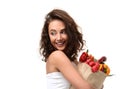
<point>56,80</point>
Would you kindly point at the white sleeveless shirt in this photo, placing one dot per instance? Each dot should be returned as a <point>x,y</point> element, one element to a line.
<point>56,80</point>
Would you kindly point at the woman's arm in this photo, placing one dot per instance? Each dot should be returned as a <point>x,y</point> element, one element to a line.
<point>63,64</point>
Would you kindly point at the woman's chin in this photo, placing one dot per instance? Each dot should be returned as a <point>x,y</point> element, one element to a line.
<point>60,48</point>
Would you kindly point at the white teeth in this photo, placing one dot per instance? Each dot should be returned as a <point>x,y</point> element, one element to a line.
<point>59,43</point>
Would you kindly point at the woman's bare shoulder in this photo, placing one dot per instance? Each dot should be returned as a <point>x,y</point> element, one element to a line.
<point>56,58</point>
<point>56,55</point>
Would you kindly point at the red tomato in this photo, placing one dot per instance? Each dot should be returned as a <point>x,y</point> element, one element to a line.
<point>88,61</point>
<point>95,68</point>
<point>91,63</point>
<point>97,65</point>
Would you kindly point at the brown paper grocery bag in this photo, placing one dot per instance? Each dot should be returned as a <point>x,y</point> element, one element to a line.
<point>95,79</point>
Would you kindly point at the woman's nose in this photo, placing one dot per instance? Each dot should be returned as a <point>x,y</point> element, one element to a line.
<point>58,37</point>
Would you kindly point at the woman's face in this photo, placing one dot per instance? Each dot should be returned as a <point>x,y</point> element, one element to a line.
<point>57,34</point>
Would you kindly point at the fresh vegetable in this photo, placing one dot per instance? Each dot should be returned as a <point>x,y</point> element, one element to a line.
<point>83,57</point>
<point>95,68</point>
<point>104,68</point>
<point>96,65</point>
<point>92,63</point>
<point>102,59</point>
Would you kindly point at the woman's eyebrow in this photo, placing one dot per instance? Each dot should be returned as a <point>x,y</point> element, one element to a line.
<point>63,29</point>
<point>52,29</point>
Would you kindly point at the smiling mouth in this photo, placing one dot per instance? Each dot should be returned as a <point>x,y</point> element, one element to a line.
<point>60,44</point>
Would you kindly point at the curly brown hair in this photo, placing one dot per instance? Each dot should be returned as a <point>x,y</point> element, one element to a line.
<point>75,38</point>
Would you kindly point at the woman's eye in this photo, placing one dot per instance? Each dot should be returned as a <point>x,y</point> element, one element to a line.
<point>63,32</point>
<point>53,33</point>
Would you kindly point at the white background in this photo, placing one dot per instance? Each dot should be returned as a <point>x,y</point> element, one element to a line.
<point>21,22</point>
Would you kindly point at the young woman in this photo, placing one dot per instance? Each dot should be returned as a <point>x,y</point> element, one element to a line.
<point>59,44</point>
